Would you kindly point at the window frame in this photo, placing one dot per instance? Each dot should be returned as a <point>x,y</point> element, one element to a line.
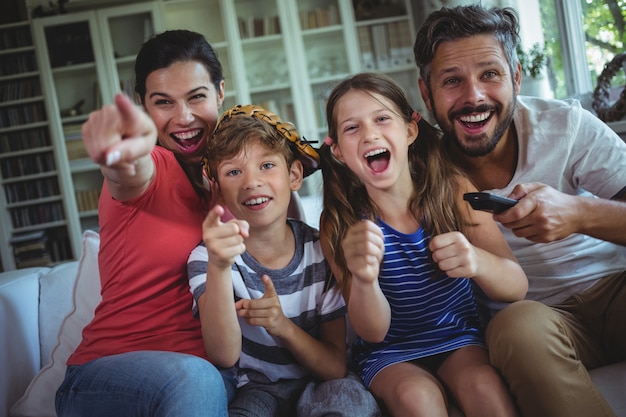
<point>573,47</point>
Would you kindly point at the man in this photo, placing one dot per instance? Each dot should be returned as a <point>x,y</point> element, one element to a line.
<point>568,231</point>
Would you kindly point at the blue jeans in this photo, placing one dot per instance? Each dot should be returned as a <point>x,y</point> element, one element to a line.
<point>145,383</point>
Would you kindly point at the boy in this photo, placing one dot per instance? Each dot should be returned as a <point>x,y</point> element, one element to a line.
<point>286,325</point>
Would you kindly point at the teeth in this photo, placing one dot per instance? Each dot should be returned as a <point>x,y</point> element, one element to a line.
<point>187,135</point>
<point>475,118</point>
<point>256,201</point>
<point>375,152</point>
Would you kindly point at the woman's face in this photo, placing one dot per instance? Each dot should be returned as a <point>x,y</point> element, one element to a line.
<point>184,105</point>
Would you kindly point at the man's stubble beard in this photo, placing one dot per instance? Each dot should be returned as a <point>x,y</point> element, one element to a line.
<point>485,144</point>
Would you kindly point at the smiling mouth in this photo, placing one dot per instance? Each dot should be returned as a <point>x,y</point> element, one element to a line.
<point>378,159</point>
<point>474,121</point>
<point>256,201</point>
<point>188,140</point>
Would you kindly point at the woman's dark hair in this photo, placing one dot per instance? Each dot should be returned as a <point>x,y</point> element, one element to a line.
<point>165,49</point>
<point>170,47</point>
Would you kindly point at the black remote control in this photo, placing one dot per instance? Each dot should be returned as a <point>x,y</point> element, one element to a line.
<point>489,202</point>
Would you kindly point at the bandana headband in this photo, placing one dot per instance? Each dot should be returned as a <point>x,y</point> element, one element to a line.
<point>303,151</point>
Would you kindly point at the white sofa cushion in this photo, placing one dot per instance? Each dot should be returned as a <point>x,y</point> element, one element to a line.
<point>54,305</point>
<point>38,400</point>
<point>611,380</point>
<point>19,341</point>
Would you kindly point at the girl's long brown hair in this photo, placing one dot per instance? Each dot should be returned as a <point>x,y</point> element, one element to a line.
<point>435,200</point>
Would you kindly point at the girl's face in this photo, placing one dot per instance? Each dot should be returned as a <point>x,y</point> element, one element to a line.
<point>373,139</point>
<point>184,105</point>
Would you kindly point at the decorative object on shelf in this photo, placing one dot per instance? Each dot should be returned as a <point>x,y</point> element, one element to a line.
<point>75,110</point>
<point>53,9</point>
<point>601,96</point>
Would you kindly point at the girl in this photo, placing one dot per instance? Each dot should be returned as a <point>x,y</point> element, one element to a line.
<point>407,252</point>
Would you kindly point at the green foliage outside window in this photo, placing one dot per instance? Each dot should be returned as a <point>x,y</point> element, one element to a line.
<point>533,61</point>
<point>604,23</point>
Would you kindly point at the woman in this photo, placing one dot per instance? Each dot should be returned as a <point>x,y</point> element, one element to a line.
<point>143,354</point>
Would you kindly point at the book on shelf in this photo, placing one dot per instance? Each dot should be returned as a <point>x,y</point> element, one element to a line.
<point>249,21</point>
<point>257,26</point>
<point>319,17</point>
<point>72,131</point>
<point>20,89</point>
<point>380,44</point>
<point>76,149</point>
<point>395,44</point>
<point>60,249</point>
<point>18,64</point>
<point>31,249</point>
<point>251,27</point>
<point>15,38</point>
<point>87,200</point>
<point>27,237</point>
<point>24,139</point>
<point>367,48</point>
<point>74,145</point>
<point>401,43</point>
<point>32,190</point>
<point>34,215</point>
<point>22,114</point>
<point>37,261</point>
<point>333,15</point>
<point>271,25</point>
<point>27,165</point>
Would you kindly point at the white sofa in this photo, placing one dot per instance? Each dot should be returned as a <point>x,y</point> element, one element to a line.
<point>42,312</point>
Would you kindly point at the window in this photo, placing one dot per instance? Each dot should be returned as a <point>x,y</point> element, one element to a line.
<point>580,38</point>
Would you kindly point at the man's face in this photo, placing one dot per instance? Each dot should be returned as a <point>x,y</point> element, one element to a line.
<point>472,93</point>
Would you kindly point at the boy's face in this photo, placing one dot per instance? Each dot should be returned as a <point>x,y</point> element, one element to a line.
<point>256,184</point>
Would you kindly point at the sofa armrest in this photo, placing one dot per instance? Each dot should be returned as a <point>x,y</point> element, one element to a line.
<point>611,381</point>
<point>19,326</point>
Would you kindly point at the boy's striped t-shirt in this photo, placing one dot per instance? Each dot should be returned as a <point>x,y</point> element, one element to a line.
<point>306,297</point>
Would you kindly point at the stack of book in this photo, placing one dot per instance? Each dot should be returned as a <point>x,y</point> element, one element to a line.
<point>87,200</point>
<point>74,141</point>
<point>31,249</point>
